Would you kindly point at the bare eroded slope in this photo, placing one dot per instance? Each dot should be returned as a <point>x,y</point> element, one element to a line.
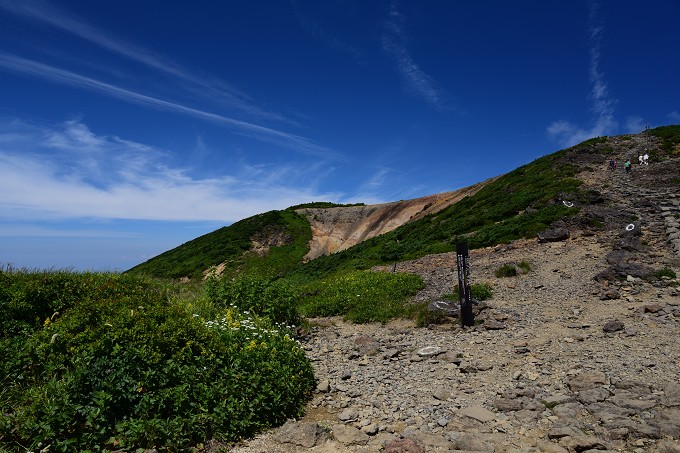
<point>339,228</point>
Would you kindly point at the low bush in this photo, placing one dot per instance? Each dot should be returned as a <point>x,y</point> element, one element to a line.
<point>506,270</point>
<point>124,367</point>
<point>524,266</point>
<point>478,292</point>
<point>665,272</point>
<point>361,296</point>
<point>511,270</point>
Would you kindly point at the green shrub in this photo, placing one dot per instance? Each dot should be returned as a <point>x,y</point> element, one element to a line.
<point>478,292</point>
<point>524,266</point>
<point>511,270</point>
<point>361,296</point>
<point>123,367</point>
<point>506,270</point>
<point>481,291</point>
<point>665,272</point>
<point>275,300</point>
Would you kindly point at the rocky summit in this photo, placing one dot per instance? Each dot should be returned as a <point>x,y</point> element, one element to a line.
<point>578,352</point>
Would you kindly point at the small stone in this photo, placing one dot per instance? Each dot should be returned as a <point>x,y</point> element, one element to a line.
<point>478,413</point>
<point>587,380</point>
<point>300,433</point>
<point>403,446</point>
<point>652,308</point>
<point>613,326</point>
<point>531,375</point>
<point>442,393</point>
<point>349,435</point>
<point>508,405</point>
<point>370,429</point>
<point>324,386</point>
<point>494,325</point>
<point>582,443</point>
<point>554,400</point>
<point>348,414</point>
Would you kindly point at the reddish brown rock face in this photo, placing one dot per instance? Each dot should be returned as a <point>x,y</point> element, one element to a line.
<point>336,229</point>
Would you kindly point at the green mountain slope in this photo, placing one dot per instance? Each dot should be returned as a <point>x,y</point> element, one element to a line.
<point>516,205</point>
<point>285,233</point>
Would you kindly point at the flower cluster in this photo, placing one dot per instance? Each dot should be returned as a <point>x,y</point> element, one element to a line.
<point>252,327</point>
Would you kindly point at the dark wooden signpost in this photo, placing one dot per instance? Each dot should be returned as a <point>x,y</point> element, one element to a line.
<point>467,318</point>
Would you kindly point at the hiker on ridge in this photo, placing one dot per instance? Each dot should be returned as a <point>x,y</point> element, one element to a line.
<point>627,166</point>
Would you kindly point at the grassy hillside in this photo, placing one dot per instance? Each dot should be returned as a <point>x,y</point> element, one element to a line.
<point>518,204</point>
<point>670,138</point>
<point>230,245</point>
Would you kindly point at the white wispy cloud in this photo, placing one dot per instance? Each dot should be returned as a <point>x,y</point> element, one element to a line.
<point>313,27</point>
<point>415,80</point>
<point>674,117</point>
<point>53,74</point>
<point>205,87</point>
<point>602,103</point>
<point>57,172</point>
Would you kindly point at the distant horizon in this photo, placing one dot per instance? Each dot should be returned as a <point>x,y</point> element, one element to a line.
<point>127,129</point>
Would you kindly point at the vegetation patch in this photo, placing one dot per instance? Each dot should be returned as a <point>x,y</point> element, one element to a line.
<point>524,266</point>
<point>665,272</point>
<point>506,270</point>
<point>670,138</point>
<point>275,300</point>
<point>114,362</point>
<point>478,292</point>
<point>512,270</point>
<point>361,296</point>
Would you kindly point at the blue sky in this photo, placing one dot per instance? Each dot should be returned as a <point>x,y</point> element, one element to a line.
<point>130,127</point>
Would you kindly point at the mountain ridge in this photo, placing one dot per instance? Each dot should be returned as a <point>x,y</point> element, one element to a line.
<point>518,204</point>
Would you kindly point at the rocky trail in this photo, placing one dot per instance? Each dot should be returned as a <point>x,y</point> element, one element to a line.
<point>566,357</point>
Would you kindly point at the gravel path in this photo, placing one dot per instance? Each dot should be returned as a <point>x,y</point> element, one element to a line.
<point>564,359</point>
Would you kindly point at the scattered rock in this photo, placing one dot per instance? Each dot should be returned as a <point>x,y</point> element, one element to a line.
<point>366,345</point>
<point>613,326</point>
<point>349,435</point>
<point>403,446</point>
<point>553,235</point>
<point>300,433</point>
<point>587,380</point>
<point>478,413</point>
